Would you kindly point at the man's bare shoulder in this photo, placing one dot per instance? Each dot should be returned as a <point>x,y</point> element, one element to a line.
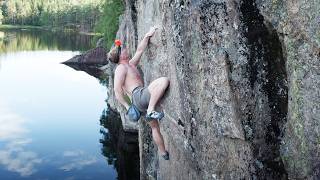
<point>121,68</point>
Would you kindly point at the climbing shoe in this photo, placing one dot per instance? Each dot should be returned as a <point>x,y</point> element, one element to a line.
<point>165,156</point>
<point>154,115</point>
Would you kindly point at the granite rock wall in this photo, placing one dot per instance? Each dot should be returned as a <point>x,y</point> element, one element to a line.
<point>244,100</point>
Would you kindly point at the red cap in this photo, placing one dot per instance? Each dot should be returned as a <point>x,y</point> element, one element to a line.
<point>117,42</point>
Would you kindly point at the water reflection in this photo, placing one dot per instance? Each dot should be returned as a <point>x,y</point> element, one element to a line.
<point>14,155</point>
<point>77,160</point>
<point>91,70</point>
<point>25,40</point>
<point>120,148</point>
<point>49,114</point>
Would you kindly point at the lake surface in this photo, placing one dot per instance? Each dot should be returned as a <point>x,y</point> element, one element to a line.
<point>53,118</point>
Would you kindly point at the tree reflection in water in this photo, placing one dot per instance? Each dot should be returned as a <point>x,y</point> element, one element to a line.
<point>32,40</point>
<point>120,148</point>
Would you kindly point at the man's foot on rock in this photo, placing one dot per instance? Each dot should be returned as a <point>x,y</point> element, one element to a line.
<point>154,115</point>
<point>165,156</point>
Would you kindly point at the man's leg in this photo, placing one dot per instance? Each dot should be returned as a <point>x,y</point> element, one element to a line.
<point>157,137</point>
<point>157,89</point>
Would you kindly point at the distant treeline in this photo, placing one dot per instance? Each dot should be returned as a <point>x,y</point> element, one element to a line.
<point>65,13</point>
<point>84,15</point>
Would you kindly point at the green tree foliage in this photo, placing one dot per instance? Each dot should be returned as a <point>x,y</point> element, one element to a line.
<point>102,16</point>
<point>79,14</point>
<point>109,21</point>
<point>1,16</point>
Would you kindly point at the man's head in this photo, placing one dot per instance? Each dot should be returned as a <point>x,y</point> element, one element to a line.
<point>117,53</point>
<point>114,54</point>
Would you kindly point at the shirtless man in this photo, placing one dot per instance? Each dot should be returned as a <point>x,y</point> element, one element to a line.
<point>127,79</point>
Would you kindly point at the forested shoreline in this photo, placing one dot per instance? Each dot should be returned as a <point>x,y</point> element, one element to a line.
<point>75,14</point>
<point>92,16</point>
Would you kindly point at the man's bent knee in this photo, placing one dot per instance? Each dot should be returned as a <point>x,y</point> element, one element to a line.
<point>165,80</point>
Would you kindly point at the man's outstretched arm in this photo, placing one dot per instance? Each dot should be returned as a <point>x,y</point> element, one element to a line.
<point>142,46</point>
<point>119,77</point>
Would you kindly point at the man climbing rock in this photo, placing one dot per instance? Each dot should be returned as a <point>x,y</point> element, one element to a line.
<point>127,80</point>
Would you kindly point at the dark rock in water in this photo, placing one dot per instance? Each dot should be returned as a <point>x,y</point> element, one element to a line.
<point>96,56</point>
<point>90,62</point>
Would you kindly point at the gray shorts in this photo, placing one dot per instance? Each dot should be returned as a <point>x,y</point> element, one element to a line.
<point>141,98</point>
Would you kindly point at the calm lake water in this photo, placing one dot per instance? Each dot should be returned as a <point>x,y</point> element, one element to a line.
<point>53,119</point>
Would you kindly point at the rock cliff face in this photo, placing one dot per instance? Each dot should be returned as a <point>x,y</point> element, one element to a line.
<point>298,22</point>
<point>244,98</point>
